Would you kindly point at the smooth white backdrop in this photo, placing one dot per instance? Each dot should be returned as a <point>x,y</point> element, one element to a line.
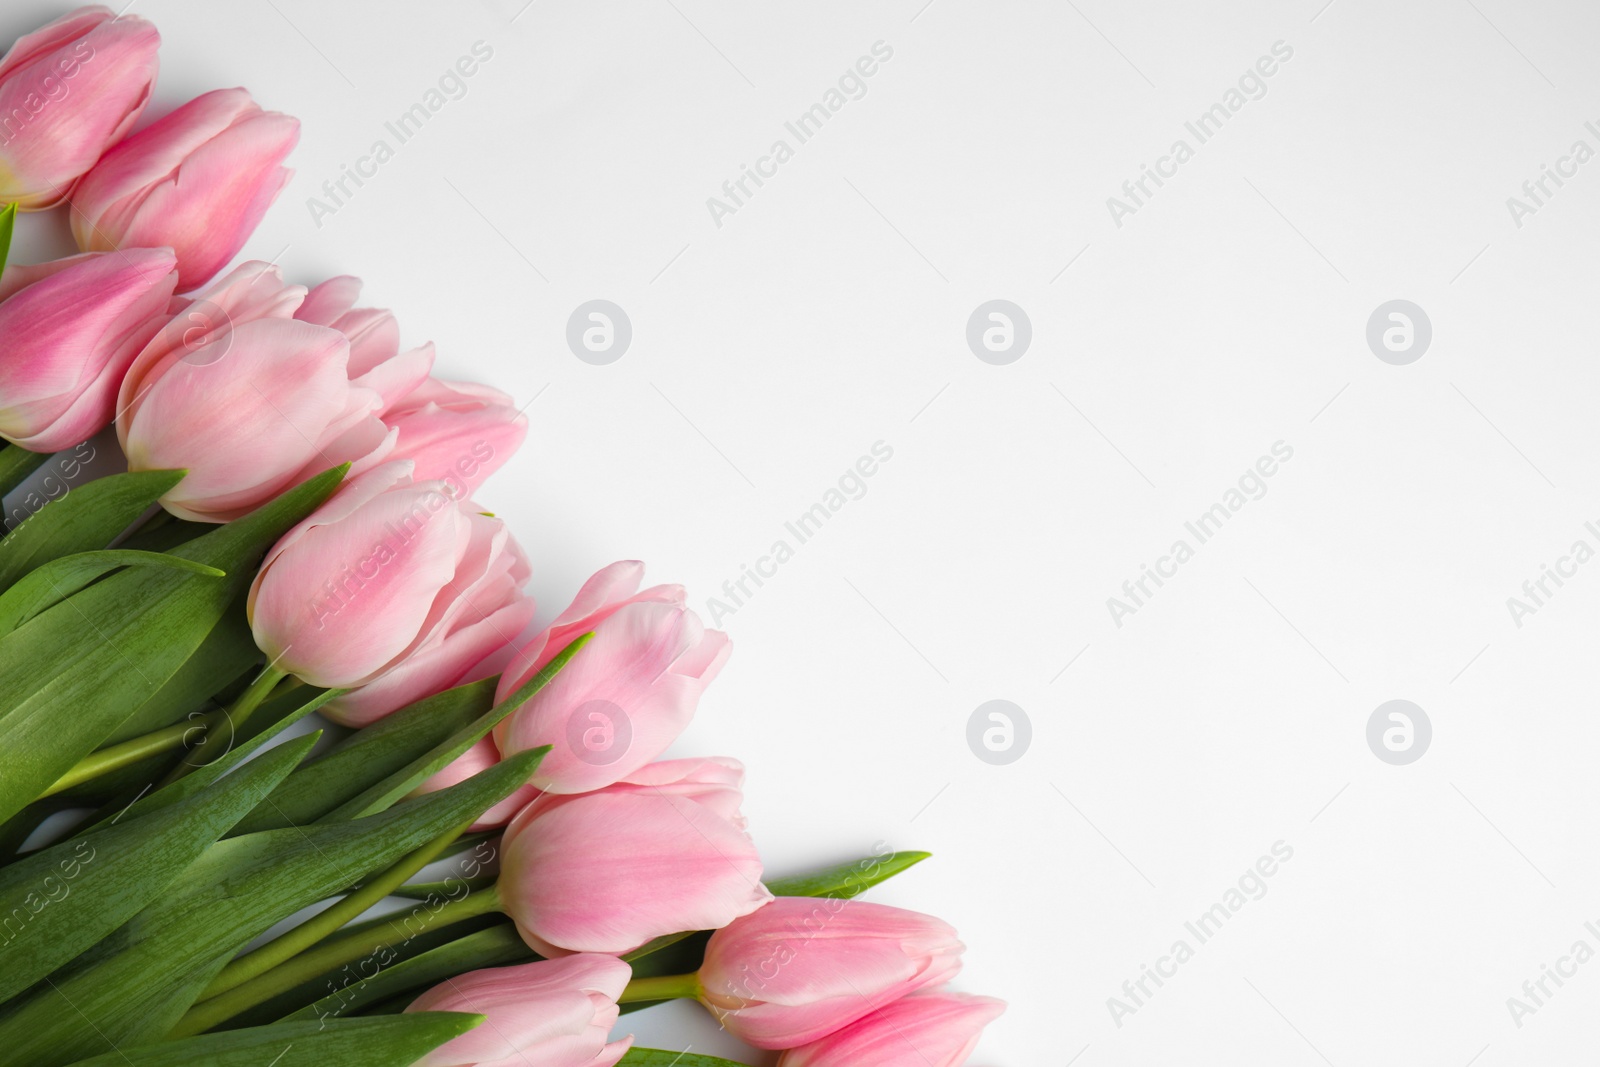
<point>1225,314</point>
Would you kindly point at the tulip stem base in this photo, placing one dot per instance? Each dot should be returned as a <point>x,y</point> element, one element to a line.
<point>126,754</point>
<point>664,987</point>
<point>321,959</point>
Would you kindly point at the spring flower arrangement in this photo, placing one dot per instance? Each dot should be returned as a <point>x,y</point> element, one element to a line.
<point>298,530</point>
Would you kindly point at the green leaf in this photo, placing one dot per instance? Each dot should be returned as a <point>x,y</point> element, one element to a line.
<point>17,464</point>
<point>227,652</point>
<point>424,890</point>
<point>494,947</point>
<point>134,986</point>
<point>370,755</point>
<point>655,1057</point>
<point>53,582</point>
<point>847,879</point>
<point>8,221</point>
<point>59,901</point>
<point>86,518</point>
<point>419,770</point>
<point>77,670</point>
<point>388,1041</point>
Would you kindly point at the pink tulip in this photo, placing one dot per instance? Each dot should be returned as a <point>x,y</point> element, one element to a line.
<point>625,696</point>
<point>198,181</point>
<point>376,361</point>
<point>68,91</point>
<point>926,1030</point>
<point>801,968</point>
<point>661,853</point>
<point>381,580</point>
<point>480,757</point>
<point>251,400</point>
<point>553,1013</point>
<point>71,329</point>
<point>456,431</point>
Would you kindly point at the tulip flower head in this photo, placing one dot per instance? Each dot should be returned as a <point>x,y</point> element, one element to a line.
<point>925,1030</point>
<point>68,91</point>
<point>71,330</point>
<point>625,696</point>
<point>658,853</point>
<point>458,432</point>
<point>197,181</point>
<point>801,968</point>
<point>379,587</point>
<point>553,1013</point>
<point>250,398</point>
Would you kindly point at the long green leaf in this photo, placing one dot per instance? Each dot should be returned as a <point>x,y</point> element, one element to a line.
<point>391,1041</point>
<point>8,222</point>
<point>419,770</point>
<point>846,879</point>
<point>61,900</point>
<point>227,652</point>
<point>75,671</point>
<point>133,986</point>
<point>86,518</point>
<point>368,756</point>
<point>53,582</point>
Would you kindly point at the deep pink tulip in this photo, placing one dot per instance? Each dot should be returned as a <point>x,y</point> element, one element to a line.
<point>801,968</point>
<point>626,695</point>
<point>386,570</point>
<point>250,399</point>
<point>459,432</point>
<point>71,329</point>
<point>553,1013</point>
<point>608,871</point>
<point>925,1030</point>
<point>480,757</point>
<point>68,91</point>
<point>197,181</point>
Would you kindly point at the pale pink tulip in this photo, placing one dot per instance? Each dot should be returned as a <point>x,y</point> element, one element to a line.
<point>68,91</point>
<point>71,329</point>
<point>459,432</point>
<point>626,695</point>
<point>198,181</point>
<point>386,570</point>
<point>376,361</point>
<point>480,757</point>
<point>801,968</point>
<point>608,871</point>
<point>250,399</point>
<point>926,1030</point>
<point>553,1013</point>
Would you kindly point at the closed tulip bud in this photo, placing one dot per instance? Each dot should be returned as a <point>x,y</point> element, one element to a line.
<point>197,181</point>
<point>68,91</point>
<point>801,968</point>
<point>250,400</point>
<point>388,569</point>
<point>71,330</point>
<point>458,432</point>
<point>926,1030</point>
<point>625,696</point>
<point>553,1013</point>
<point>658,853</point>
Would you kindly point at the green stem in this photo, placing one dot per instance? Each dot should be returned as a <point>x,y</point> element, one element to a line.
<point>325,922</point>
<point>126,754</point>
<point>16,463</point>
<point>315,962</point>
<point>236,713</point>
<point>664,987</point>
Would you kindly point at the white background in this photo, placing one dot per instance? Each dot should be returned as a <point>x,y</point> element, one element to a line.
<point>1169,353</point>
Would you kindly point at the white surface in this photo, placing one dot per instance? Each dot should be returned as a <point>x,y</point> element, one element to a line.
<point>1227,314</point>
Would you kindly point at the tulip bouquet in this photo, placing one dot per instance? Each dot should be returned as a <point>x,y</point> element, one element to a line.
<point>479,856</point>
